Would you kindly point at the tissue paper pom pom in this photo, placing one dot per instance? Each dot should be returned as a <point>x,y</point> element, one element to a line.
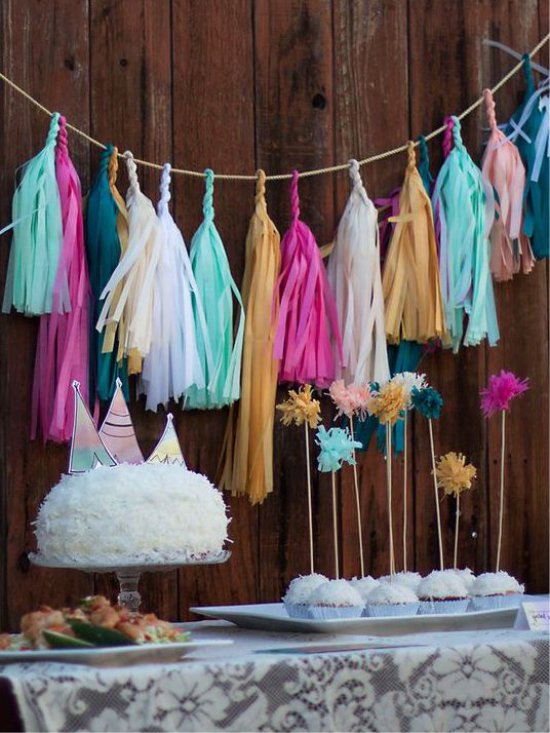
<point>428,402</point>
<point>453,474</point>
<point>388,403</point>
<point>501,391</point>
<point>410,380</point>
<point>351,400</point>
<point>300,407</point>
<point>336,447</point>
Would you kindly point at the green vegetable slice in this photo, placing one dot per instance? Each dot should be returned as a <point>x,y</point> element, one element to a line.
<point>62,641</point>
<point>98,635</point>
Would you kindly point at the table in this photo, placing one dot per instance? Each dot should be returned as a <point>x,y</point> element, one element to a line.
<point>493,680</point>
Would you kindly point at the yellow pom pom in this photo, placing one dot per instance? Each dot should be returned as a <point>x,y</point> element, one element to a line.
<point>453,474</point>
<point>300,407</point>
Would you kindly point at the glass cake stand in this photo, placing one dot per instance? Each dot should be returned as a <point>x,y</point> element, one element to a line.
<point>128,575</point>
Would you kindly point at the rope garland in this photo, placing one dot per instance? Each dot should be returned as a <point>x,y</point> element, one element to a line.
<point>283,176</point>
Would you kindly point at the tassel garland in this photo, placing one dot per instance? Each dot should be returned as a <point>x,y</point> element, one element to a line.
<point>464,206</point>
<point>62,347</point>
<point>248,466</point>
<point>173,362</point>
<point>106,240</point>
<point>412,291</point>
<point>302,341</point>
<point>37,235</point>
<point>220,355</point>
<point>354,274</point>
<point>502,167</point>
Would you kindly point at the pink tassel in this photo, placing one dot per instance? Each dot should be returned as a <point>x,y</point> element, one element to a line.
<point>307,307</point>
<point>62,349</point>
<point>503,168</point>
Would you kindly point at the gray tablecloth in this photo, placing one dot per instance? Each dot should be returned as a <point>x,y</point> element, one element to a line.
<point>460,681</point>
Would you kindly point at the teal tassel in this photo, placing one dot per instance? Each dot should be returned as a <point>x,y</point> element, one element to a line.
<point>528,129</point>
<point>464,209</point>
<point>103,253</point>
<point>37,233</point>
<point>220,357</point>
<point>424,165</point>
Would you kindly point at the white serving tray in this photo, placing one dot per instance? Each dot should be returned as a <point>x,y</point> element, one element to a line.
<point>273,617</point>
<point>118,656</point>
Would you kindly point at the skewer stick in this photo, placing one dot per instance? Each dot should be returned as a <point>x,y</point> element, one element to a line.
<point>405,493</point>
<point>358,503</point>
<point>457,516</point>
<point>388,475</point>
<point>335,525</point>
<point>310,510</point>
<point>436,496</point>
<point>501,507</point>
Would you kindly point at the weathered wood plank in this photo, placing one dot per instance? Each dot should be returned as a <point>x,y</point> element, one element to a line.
<point>45,50</point>
<point>371,115</point>
<point>214,127</point>
<point>131,78</point>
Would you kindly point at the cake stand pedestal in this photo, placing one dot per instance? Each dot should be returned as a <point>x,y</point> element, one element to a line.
<point>128,575</point>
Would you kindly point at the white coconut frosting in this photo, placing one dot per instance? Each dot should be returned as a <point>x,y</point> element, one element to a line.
<point>391,593</point>
<point>336,593</point>
<point>496,584</point>
<point>441,585</point>
<point>467,577</point>
<point>130,514</point>
<point>363,585</point>
<point>410,579</point>
<point>301,588</point>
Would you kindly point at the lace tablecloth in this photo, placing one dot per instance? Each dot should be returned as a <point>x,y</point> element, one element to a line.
<point>458,681</point>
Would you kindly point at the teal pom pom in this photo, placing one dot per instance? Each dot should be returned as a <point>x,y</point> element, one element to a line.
<point>336,447</point>
<point>428,402</point>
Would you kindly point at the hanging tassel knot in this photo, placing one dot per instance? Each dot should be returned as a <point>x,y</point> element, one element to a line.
<point>448,136</point>
<point>294,196</point>
<point>208,200</point>
<point>165,194</point>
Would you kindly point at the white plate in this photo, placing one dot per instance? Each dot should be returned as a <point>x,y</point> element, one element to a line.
<point>120,656</point>
<point>273,617</point>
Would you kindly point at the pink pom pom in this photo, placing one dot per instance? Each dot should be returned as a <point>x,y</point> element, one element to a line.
<point>501,391</point>
<point>351,400</point>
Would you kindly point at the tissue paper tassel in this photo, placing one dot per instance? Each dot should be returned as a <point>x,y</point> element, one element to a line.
<point>37,235</point>
<point>502,167</point>
<point>135,273</point>
<point>248,445</point>
<point>220,355</point>
<point>302,340</point>
<point>62,347</point>
<point>412,291</point>
<point>354,274</point>
<point>173,363</point>
<point>106,238</point>
<point>464,207</point>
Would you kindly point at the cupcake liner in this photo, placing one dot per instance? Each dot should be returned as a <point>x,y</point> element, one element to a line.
<point>297,610</point>
<point>392,609</point>
<point>328,612</point>
<point>432,607</point>
<point>486,603</point>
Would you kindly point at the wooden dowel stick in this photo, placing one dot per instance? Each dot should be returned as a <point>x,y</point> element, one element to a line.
<point>441,565</point>
<point>358,503</point>
<point>309,502</point>
<point>405,493</point>
<point>457,516</point>
<point>501,502</point>
<point>388,474</point>
<point>335,525</point>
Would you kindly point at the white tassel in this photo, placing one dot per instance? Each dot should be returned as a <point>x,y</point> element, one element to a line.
<point>136,270</point>
<point>173,362</point>
<point>354,274</point>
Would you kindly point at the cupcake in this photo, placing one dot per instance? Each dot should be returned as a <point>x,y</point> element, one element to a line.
<point>411,580</point>
<point>298,593</point>
<point>364,586</point>
<point>467,577</point>
<point>335,599</point>
<point>496,590</point>
<point>392,599</point>
<point>443,591</point>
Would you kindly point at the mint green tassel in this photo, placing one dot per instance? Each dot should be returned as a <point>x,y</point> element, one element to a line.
<point>37,233</point>
<point>220,357</point>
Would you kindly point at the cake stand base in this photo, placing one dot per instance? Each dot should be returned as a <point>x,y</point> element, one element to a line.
<point>128,575</point>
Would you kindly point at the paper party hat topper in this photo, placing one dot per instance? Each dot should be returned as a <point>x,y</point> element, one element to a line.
<point>116,441</point>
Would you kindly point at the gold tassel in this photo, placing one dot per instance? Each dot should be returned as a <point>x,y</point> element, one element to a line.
<point>247,455</point>
<point>411,285</point>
